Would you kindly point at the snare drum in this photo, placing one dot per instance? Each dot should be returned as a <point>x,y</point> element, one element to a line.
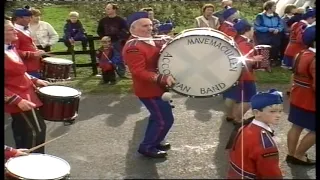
<point>60,103</point>
<point>205,62</point>
<point>37,166</point>
<point>263,50</point>
<point>55,68</point>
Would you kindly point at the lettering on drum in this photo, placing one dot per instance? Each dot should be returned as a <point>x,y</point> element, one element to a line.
<point>225,49</point>
<point>202,65</point>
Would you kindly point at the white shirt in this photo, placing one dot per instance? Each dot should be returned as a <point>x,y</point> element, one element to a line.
<point>146,40</point>
<point>263,125</point>
<point>21,28</point>
<point>43,34</point>
<point>312,49</point>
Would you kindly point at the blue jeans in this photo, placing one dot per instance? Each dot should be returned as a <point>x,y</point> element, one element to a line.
<point>120,67</point>
<point>160,122</point>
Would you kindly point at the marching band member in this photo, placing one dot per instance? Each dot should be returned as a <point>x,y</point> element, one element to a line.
<point>207,19</point>
<point>229,15</point>
<point>295,43</point>
<point>24,42</point>
<point>10,152</point>
<point>302,112</point>
<point>253,153</point>
<point>21,101</point>
<point>246,88</point>
<point>141,54</point>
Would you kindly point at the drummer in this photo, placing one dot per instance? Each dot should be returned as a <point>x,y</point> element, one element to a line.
<point>21,101</point>
<point>246,88</point>
<point>10,152</point>
<point>229,16</point>
<point>24,42</point>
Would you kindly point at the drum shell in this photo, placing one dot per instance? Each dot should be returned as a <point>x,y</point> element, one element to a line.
<point>55,71</point>
<point>265,52</point>
<point>59,108</point>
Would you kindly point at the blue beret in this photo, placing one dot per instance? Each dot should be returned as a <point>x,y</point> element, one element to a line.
<point>241,24</point>
<point>309,35</point>
<point>309,13</point>
<point>167,27</point>
<point>21,12</point>
<point>228,12</point>
<point>264,99</point>
<point>136,16</point>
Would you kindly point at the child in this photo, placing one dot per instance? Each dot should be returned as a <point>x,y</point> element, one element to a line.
<point>238,97</point>
<point>74,31</point>
<point>253,153</point>
<point>105,56</point>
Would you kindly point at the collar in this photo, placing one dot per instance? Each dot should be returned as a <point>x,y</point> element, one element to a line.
<point>263,125</point>
<point>246,38</point>
<point>21,28</point>
<point>312,49</point>
<point>230,23</point>
<point>304,21</point>
<point>8,47</point>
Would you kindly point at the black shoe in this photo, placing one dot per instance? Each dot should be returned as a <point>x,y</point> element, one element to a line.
<point>153,154</point>
<point>164,147</point>
<point>296,161</point>
<point>228,119</point>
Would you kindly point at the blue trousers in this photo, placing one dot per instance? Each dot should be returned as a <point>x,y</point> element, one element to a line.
<point>121,68</point>
<point>160,122</point>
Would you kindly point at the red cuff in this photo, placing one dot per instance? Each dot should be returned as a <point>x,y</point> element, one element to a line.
<point>10,153</point>
<point>15,99</point>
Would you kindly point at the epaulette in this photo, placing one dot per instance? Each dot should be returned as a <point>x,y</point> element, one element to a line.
<point>132,42</point>
<point>266,139</point>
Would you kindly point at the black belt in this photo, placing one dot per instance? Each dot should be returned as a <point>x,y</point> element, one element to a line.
<point>302,84</point>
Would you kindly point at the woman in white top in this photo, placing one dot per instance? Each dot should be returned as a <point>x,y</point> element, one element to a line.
<point>42,33</point>
<point>207,19</point>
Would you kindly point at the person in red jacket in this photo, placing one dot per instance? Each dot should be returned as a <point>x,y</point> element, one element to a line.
<point>24,42</point>
<point>246,87</point>
<point>10,152</point>
<point>141,54</point>
<point>302,112</point>
<point>21,101</point>
<point>229,15</point>
<point>253,154</point>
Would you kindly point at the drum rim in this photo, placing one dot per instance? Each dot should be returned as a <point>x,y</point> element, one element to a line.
<point>234,45</point>
<point>11,173</point>
<point>75,96</point>
<point>50,62</point>
<point>262,46</point>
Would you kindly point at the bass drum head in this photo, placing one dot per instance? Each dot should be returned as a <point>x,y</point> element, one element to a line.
<point>204,62</point>
<point>52,60</point>
<point>59,91</point>
<point>38,166</point>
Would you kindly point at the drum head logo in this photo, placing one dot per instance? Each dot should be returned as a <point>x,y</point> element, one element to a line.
<point>203,65</point>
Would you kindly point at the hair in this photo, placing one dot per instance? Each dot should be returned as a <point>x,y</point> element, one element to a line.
<point>147,9</point>
<point>6,22</point>
<point>268,5</point>
<point>289,8</point>
<point>7,17</point>
<point>35,12</point>
<point>114,6</point>
<point>206,6</point>
<point>300,10</point>
<point>73,14</point>
<point>105,38</point>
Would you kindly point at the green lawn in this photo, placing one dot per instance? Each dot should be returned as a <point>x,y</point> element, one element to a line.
<point>56,16</point>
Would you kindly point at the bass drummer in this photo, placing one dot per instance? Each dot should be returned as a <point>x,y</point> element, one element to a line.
<point>21,101</point>
<point>246,88</point>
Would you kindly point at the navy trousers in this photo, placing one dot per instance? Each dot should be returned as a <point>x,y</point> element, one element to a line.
<point>160,122</point>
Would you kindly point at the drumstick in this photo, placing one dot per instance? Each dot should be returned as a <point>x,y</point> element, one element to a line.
<point>34,115</point>
<point>43,144</point>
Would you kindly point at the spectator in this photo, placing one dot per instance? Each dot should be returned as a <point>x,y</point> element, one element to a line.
<point>116,28</point>
<point>105,57</point>
<point>155,22</point>
<point>268,28</point>
<point>207,19</point>
<point>296,17</point>
<point>225,4</point>
<point>42,33</point>
<point>289,12</point>
<point>74,31</point>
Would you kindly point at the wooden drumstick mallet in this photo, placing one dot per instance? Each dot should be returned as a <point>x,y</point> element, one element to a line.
<point>34,115</point>
<point>43,144</point>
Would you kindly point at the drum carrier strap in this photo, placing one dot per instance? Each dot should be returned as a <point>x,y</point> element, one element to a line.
<point>295,66</point>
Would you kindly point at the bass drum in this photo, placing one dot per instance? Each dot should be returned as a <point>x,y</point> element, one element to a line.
<point>205,62</point>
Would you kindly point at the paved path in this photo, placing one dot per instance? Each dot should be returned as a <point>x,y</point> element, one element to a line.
<point>103,142</point>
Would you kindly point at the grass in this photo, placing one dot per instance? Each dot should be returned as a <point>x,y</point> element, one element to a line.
<point>87,83</point>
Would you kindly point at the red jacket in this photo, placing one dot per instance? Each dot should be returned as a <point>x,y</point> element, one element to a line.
<point>142,60</point>
<point>104,56</point>
<point>25,43</point>
<point>9,152</point>
<point>295,44</point>
<point>304,77</point>
<point>256,157</point>
<point>17,84</point>
<point>245,46</point>
<point>228,29</point>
